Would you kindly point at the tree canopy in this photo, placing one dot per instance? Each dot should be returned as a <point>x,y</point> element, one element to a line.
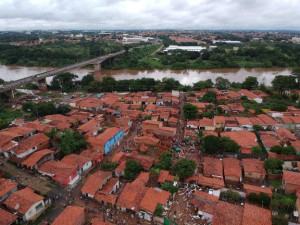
<point>71,142</point>
<point>132,169</point>
<point>184,168</point>
<point>190,111</point>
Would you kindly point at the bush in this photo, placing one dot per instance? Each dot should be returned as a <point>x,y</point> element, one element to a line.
<point>190,111</point>
<point>111,166</point>
<point>165,161</point>
<point>232,196</point>
<point>257,150</point>
<point>211,144</point>
<point>169,187</point>
<point>273,164</point>
<point>132,169</point>
<point>158,210</point>
<point>289,150</point>
<point>184,168</point>
<point>261,199</point>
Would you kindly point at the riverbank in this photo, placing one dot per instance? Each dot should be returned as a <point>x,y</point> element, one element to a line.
<point>185,77</point>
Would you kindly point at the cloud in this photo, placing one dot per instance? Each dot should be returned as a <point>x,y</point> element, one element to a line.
<point>149,14</point>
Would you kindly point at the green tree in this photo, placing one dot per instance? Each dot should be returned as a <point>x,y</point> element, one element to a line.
<point>211,144</point>
<point>184,168</point>
<point>203,85</point>
<point>71,142</point>
<point>229,145</point>
<point>165,161</point>
<point>3,124</point>
<point>110,166</point>
<point>87,79</point>
<point>250,83</point>
<point>257,149</point>
<point>132,169</point>
<point>222,83</point>
<point>65,81</point>
<point>210,96</point>
<point>2,81</point>
<point>158,210</point>
<point>190,111</point>
<point>257,127</point>
<point>282,83</point>
<point>232,196</point>
<point>63,109</point>
<point>169,187</point>
<point>280,220</point>
<point>273,164</point>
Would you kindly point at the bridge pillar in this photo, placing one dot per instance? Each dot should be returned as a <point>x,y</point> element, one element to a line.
<point>42,85</point>
<point>97,67</point>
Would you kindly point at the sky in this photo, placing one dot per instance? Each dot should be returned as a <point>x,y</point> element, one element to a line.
<point>149,14</point>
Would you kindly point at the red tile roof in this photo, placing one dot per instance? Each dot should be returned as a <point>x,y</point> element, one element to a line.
<point>6,186</point>
<point>153,197</point>
<point>7,218</point>
<point>242,138</point>
<point>75,160</point>
<point>285,135</point>
<point>267,119</point>
<point>256,215</point>
<point>94,182</point>
<point>232,167</point>
<point>35,157</point>
<point>24,198</point>
<point>29,143</point>
<point>269,140</point>
<point>90,124</point>
<point>70,216</point>
<point>254,166</point>
<point>57,168</point>
<point>203,196</point>
<point>212,167</point>
<point>291,177</point>
<point>253,188</point>
<point>227,214</point>
<point>165,176</point>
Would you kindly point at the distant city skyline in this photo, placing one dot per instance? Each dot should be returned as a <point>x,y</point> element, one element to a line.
<point>145,14</point>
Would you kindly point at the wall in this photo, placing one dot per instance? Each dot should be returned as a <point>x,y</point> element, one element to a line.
<point>31,213</point>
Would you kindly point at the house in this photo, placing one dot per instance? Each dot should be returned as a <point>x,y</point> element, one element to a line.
<point>219,122</point>
<point>253,214</point>
<point>71,215</point>
<point>90,125</point>
<point>29,145</point>
<point>133,193</point>
<point>38,158</point>
<point>145,161</point>
<point>105,141</point>
<point>60,122</point>
<point>296,145</point>
<point>82,163</point>
<point>89,103</point>
<point>149,125</point>
<point>285,137</point>
<point>245,123</point>
<point>164,176</point>
<point>7,218</point>
<point>106,195</point>
<point>95,182</point>
<point>254,170</point>
<point>215,183</point>
<point>26,204</point>
<point>245,139</point>
<point>269,121</point>
<point>250,95</point>
<point>133,114</point>
<point>60,172</point>
<point>236,108</point>
<point>7,187</point>
<point>94,156</point>
<point>39,127</point>
<point>212,167</point>
<point>227,214</point>
<point>151,199</point>
<point>232,170</point>
<point>205,204</point>
<point>231,124</point>
<point>268,139</point>
<point>257,190</point>
<point>233,96</point>
<point>291,182</point>
<point>203,124</point>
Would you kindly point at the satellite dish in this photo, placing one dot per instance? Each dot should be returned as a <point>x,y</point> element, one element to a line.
<point>17,206</point>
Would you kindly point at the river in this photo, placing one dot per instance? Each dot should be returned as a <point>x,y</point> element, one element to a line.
<point>185,77</point>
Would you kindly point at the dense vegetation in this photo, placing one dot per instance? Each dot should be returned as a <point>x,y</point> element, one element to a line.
<point>71,142</point>
<point>44,108</point>
<point>184,168</point>
<point>215,145</point>
<point>132,169</point>
<point>55,55</point>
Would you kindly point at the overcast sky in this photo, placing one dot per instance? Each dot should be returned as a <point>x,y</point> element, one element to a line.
<point>149,14</point>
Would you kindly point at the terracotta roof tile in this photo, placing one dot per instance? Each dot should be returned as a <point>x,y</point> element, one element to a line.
<point>232,167</point>
<point>7,218</point>
<point>94,182</point>
<point>212,167</point>
<point>254,166</point>
<point>24,198</point>
<point>153,197</point>
<point>256,215</point>
<point>35,157</point>
<point>227,214</point>
<point>291,177</point>
<point>6,186</point>
<point>72,215</point>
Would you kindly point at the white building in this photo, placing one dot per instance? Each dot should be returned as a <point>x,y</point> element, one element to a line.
<point>227,42</point>
<point>135,39</point>
<point>296,40</point>
<point>185,48</point>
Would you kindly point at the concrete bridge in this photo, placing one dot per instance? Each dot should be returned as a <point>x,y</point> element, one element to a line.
<point>41,77</point>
